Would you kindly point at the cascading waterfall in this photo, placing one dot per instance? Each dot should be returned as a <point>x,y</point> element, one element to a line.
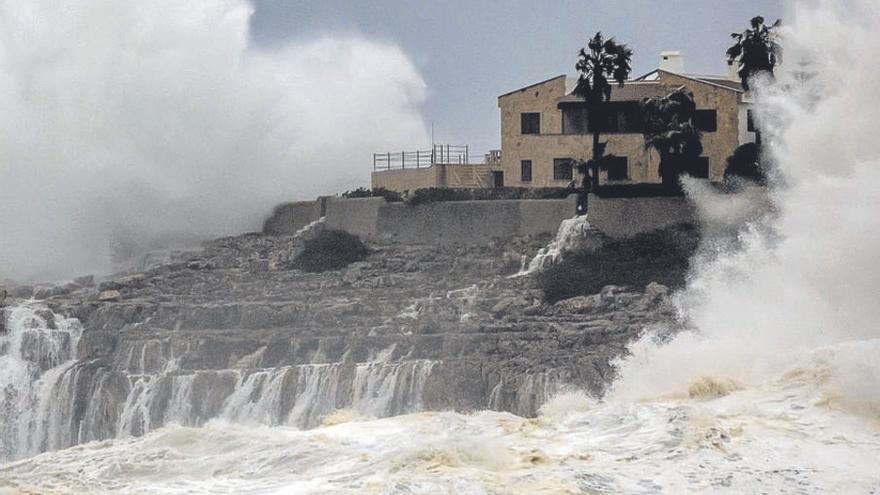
<point>37,350</point>
<point>50,400</point>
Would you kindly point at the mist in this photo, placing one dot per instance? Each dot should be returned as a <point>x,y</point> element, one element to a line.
<point>799,293</point>
<point>129,126</point>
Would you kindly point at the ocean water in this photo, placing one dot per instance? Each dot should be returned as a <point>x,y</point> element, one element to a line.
<point>784,436</point>
<point>773,388</point>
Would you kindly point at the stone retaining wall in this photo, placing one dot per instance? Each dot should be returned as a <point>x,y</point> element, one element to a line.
<point>477,222</point>
<point>287,218</point>
<point>625,217</point>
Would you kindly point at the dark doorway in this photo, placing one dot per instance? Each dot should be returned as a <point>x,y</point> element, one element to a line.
<point>497,178</point>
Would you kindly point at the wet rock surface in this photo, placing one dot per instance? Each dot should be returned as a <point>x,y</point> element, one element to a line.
<point>232,331</point>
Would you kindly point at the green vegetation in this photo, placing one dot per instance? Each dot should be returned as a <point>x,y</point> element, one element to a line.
<point>380,192</point>
<point>668,129</point>
<point>658,256</point>
<point>756,50</point>
<point>745,163</point>
<point>438,194</point>
<point>330,250</point>
<point>600,62</point>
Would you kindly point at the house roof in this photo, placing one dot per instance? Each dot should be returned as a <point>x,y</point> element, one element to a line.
<point>723,81</point>
<point>536,84</point>
<point>644,86</point>
<point>719,81</point>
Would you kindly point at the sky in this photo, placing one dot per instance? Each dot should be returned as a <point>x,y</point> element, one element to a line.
<point>471,51</point>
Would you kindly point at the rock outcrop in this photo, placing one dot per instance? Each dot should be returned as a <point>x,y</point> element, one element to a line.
<point>232,331</point>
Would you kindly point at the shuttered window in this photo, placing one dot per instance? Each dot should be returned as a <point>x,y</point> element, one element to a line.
<point>526,171</point>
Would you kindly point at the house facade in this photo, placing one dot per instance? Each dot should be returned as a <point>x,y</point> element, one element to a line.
<point>543,126</point>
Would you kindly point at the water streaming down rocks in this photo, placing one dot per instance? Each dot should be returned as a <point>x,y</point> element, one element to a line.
<point>575,234</point>
<point>233,333</point>
<point>36,352</point>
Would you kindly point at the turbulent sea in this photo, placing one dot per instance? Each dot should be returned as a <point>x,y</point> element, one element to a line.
<point>774,386</point>
<point>783,436</point>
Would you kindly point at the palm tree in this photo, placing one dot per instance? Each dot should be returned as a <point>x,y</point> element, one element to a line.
<point>600,62</point>
<point>669,130</point>
<point>756,50</point>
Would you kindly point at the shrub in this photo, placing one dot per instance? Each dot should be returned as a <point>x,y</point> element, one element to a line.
<point>330,250</point>
<point>661,255</point>
<point>362,192</point>
<point>439,194</point>
<point>745,162</point>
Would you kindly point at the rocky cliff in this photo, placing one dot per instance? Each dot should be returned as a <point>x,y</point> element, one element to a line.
<point>233,332</point>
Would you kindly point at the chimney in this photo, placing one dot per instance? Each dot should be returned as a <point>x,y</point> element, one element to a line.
<point>732,70</point>
<point>672,61</point>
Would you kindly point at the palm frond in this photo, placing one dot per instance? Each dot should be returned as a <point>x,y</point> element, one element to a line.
<point>757,50</point>
<point>734,52</point>
<point>606,60</point>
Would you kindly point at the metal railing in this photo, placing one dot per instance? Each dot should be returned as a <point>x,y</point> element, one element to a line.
<point>442,154</point>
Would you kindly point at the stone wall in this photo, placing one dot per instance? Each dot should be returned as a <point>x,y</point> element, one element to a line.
<point>467,222</point>
<point>358,216</point>
<point>478,222</point>
<point>625,217</point>
<point>287,218</point>
<point>472,222</point>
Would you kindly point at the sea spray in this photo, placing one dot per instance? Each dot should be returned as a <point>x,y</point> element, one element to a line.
<point>803,278</point>
<point>781,366</point>
<point>130,127</point>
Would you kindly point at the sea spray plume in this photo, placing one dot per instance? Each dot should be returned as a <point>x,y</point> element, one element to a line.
<point>801,288</point>
<point>128,126</point>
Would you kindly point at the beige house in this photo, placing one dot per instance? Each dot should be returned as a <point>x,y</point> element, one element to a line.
<point>543,126</point>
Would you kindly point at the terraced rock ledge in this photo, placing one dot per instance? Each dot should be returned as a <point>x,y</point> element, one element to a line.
<point>234,332</point>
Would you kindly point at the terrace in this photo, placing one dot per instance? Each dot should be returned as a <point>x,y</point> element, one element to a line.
<point>440,154</point>
<point>444,165</point>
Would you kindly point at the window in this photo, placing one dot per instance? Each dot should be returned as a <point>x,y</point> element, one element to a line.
<point>617,117</point>
<point>699,168</point>
<point>628,118</point>
<point>525,170</point>
<point>531,123</point>
<point>706,120</point>
<point>562,169</point>
<point>750,122</point>
<point>617,167</point>
<point>574,121</point>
